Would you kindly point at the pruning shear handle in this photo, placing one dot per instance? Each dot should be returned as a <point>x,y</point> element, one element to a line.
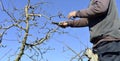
<point>56,23</point>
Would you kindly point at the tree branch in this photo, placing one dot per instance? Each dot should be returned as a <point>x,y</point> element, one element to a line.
<point>40,41</point>
<point>25,36</point>
<point>11,16</point>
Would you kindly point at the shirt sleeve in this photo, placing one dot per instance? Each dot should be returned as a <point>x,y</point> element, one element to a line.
<point>96,8</point>
<point>78,23</point>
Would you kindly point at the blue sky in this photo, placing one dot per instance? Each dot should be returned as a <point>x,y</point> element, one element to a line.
<point>75,39</point>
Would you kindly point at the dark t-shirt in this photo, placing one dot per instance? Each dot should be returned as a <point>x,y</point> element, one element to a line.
<point>106,24</point>
<point>102,18</point>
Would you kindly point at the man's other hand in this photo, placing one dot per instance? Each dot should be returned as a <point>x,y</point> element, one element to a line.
<point>72,14</point>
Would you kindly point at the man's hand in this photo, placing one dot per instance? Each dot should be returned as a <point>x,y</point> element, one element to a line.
<point>72,14</point>
<point>63,24</point>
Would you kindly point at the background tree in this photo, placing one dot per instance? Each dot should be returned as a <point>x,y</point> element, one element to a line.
<point>30,30</point>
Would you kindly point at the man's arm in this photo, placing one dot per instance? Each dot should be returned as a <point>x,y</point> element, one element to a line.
<point>78,23</point>
<point>74,23</point>
<point>98,7</point>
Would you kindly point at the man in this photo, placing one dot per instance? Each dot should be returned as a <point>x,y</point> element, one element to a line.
<point>102,18</point>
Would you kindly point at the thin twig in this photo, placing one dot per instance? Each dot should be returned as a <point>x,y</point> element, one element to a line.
<point>11,16</point>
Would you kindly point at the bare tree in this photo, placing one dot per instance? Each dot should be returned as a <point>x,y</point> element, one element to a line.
<point>33,28</point>
<point>28,24</point>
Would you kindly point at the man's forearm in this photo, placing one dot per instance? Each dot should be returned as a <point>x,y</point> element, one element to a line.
<point>78,23</point>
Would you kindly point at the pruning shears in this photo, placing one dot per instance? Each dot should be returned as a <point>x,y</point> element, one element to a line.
<point>56,23</point>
